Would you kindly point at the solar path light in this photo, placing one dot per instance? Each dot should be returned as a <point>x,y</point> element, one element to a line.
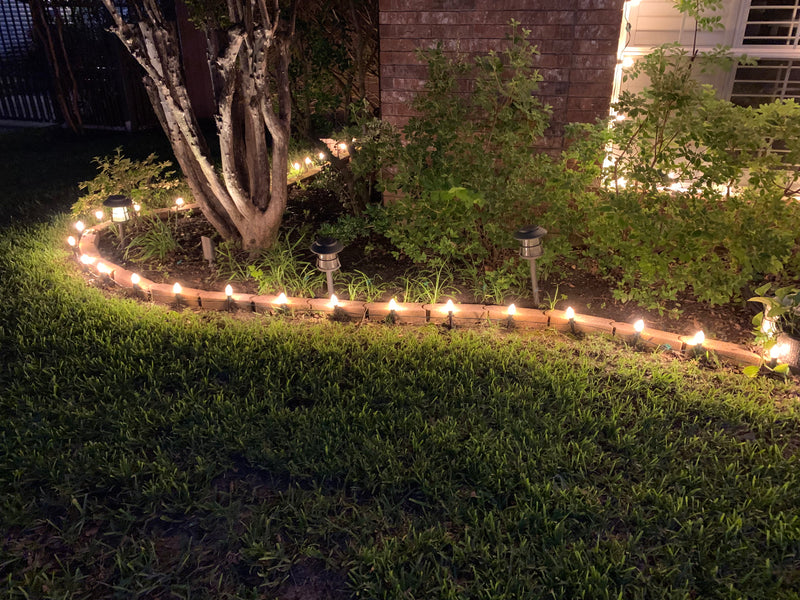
<point>120,211</point>
<point>530,240</point>
<point>327,250</point>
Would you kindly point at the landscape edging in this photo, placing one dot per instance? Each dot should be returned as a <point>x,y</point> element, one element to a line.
<point>407,312</point>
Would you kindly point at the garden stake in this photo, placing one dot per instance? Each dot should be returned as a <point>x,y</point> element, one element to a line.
<point>327,250</point>
<point>530,239</point>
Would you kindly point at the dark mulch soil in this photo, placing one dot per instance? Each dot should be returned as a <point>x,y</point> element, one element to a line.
<point>586,292</point>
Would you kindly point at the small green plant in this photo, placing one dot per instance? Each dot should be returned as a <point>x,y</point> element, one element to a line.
<point>361,286</point>
<point>147,182</point>
<point>551,300</point>
<point>279,270</point>
<point>231,262</point>
<point>494,286</point>
<point>157,242</point>
<point>428,285</point>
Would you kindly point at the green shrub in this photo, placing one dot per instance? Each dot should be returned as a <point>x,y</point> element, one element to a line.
<point>468,172</point>
<point>147,182</point>
<point>697,194</point>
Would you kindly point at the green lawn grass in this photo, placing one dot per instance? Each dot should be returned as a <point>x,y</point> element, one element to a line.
<point>153,454</point>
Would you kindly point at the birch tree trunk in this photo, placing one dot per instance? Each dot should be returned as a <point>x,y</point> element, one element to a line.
<point>247,200</point>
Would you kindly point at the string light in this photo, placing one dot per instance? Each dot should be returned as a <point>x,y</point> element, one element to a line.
<point>99,214</point>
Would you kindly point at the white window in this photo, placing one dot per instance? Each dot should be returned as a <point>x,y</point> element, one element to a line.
<point>767,30</point>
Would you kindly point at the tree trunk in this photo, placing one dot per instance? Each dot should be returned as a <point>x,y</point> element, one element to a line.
<point>247,201</point>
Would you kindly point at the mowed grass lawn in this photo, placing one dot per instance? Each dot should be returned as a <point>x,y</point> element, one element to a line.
<point>151,454</point>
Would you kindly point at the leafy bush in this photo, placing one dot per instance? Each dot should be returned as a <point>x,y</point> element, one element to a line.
<point>467,171</point>
<point>697,190</point>
<point>147,182</point>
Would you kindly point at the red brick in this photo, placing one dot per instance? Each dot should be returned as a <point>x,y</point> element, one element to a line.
<point>600,17</point>
<point>399,45</point>
<point>553,60</point>
<point>400,58</point>
<point>398,84</point>
<point>400,18</point>
<point>591,61</point>
<point>499,32</point>
<point>555,74</point>
<point>587,104</point>
<point>448,17</point>
<point>405,71</point>
<point>595,46</point>
<point>593,5</point>
<point>584,116</point>
<point>555,46</point>
<point>450,32</point>
<point>591,90</point>
<point>590,75</point>
<point>597,32</point>
<point>405,31</point>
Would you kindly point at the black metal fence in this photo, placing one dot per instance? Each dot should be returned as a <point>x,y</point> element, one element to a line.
<point>65,61</point>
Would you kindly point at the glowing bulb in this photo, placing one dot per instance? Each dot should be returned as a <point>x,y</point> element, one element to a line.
<point>512,310</point>
<point>449,307</point>
<point>698,339</point>
<point>342,146</point>
<point>137,207</point>
<point>103,269</point>
<point>281,299</point>
<point>627,62</point>
<point>177,289</point>
<point>80,226</point>
<point>98,214</point>
<point>569,313</point>
<point>135,279</point>
<point>71,241</point>
<point>228,290</point>
<point>296,166</point>
<point>393,305</point>
<point>178,202</point>
<point>778,350</point>
<point>86,259</point>
<point>308,161</point>
<point>334,301</point>
<point>321,155</point>
<point>638,327</point>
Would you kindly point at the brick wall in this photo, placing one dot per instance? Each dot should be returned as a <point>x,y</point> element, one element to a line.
<point>577,41</point>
